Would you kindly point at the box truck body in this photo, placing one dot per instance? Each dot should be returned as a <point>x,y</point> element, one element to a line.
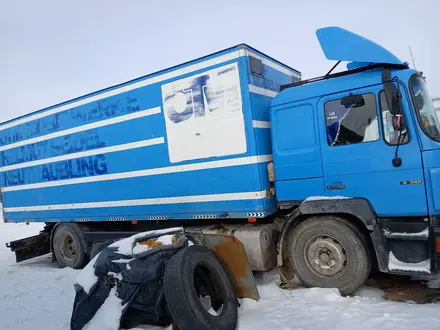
<point>189,142</point>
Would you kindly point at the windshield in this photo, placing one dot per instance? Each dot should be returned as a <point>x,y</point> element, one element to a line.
<point>425,108</point>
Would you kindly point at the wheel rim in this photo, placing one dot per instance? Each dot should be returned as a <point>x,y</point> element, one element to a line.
<point>326,256</point>
<point>68,247</point>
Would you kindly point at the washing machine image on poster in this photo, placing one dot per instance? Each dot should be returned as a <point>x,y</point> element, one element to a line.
<point>204,115</point>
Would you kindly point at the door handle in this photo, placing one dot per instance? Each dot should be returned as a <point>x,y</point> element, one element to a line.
<point>336,186</point>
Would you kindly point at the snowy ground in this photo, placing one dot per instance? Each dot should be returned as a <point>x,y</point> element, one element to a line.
<point>38,295</point>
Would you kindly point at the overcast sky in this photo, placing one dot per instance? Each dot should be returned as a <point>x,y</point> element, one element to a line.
<point>52,51</point>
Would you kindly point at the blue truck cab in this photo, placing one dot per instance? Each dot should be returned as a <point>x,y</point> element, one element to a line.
<point>326,178</point>
<point>369,150</point>
<point>367,140</point>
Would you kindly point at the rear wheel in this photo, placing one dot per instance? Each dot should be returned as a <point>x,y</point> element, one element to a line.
<point>68,246</point>
<point>327,252</point>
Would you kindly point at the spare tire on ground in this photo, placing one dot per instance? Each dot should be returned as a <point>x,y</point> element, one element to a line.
<point>191,275</point>
<point>125,280</point>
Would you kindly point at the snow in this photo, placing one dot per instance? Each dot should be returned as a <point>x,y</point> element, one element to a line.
<point>108,315</point>
<point>396,264</point>
<point>124,261</point>
<point>166,239</point>
<point>319,198</point>
<point>434,283</point>
<point>423,233</point>
<point>326,309</point>
<point>37,294</point>
<point>140,248</point>
<point>128,246</point>
<point>87,278</point>
<point>117,276</point>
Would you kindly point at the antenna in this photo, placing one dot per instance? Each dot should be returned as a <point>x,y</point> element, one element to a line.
<point>414,63</point>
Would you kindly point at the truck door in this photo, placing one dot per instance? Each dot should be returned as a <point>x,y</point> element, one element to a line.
<point>358,146</point>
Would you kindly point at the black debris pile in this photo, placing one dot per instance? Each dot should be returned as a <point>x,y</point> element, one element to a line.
<point>156,283</point>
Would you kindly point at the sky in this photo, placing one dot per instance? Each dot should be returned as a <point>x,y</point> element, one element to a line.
<point>52,51</point>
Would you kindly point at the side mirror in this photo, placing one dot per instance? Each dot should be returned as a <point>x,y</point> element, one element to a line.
<point>391,96</point>
<point>392,92</point>
<point>354,101</point>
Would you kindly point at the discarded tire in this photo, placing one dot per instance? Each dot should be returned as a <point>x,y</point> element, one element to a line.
<point>190,274</point>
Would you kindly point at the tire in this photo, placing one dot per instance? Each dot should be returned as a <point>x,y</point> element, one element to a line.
<point>69,246</point>
<point>184,273</point>
<point>370,249</point>
<point>347,265</point>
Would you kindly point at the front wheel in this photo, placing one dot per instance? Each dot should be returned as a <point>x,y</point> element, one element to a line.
<point>327,252</point>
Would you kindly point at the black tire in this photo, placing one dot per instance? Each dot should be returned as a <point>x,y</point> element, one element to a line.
<point>366,242</point>
<point>74,256</point>
<point>181,293</point>
<point>329,234</point>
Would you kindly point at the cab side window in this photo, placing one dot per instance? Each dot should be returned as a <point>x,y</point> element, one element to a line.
<point>389,124</point>
<point>350,124</point>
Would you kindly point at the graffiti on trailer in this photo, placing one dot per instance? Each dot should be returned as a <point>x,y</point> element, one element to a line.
<point>201,96</point>
<point>67,144</point>
<point>265,83</point>
<point>104,109</point>
<point>75,168</point>
<point>69,169</point>
<point>63,145</point>
<point>201,110</point>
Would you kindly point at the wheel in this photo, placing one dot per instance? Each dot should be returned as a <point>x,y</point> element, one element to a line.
<point>370,250</point>
<point>327,252</point>
<point>68,246</point>
<point>198,291</point>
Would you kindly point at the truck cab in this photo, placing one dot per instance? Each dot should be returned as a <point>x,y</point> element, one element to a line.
<point>365,142</point>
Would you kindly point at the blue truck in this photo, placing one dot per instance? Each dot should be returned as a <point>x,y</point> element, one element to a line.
<point>328,178</point>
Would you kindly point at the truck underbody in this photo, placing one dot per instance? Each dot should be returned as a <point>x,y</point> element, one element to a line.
<point>403,246</point>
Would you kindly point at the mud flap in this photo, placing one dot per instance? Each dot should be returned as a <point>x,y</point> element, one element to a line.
<point>230,251</point>
<point>286,272</point>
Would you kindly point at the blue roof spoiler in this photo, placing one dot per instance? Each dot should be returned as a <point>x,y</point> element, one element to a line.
<point>342,45</point>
